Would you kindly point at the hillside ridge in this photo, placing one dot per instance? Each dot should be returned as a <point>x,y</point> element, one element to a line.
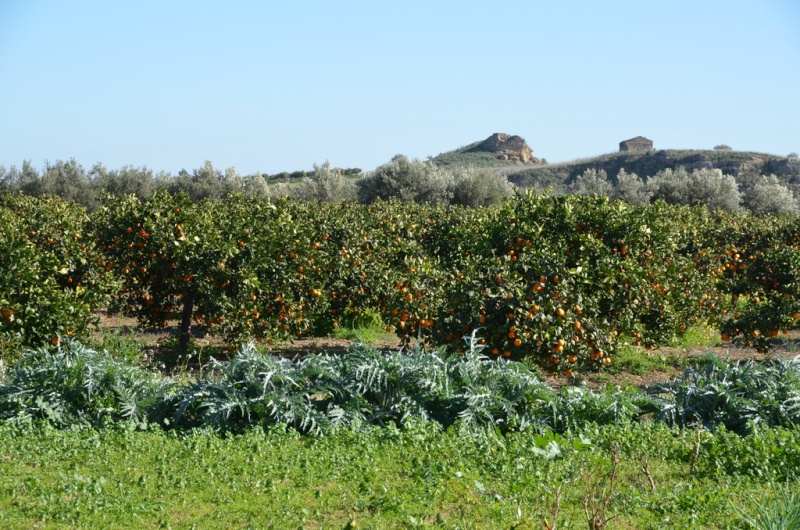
<point>511,156</point>
<point>745,166</point>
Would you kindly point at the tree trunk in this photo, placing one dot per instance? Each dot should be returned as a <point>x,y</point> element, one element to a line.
<point>186,322</point>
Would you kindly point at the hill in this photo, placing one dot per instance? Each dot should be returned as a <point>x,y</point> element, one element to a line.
<point>499,150</point>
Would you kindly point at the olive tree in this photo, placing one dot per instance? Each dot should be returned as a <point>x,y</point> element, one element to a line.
<point>68,180</point>
<point>591,182</point>
<point>207,182</point>
<point>479,187</point>
<point>326,184</point>
<point>127,180</point>
<point>701,186</point>
<point>407,180</point>
<point>769,197</point>
<point>631,189</point>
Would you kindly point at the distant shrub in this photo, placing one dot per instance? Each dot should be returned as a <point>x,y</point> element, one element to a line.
<point>792,155</point>
<point>592,182</point>
<point>702,186</point>
<point>207,182</point>
<point>631,189</point>
<point>407,180</point>
<point>326,184</point>
<point>128,180</point>
<point>769,197</point>
<point>255,186</point>
<point>479,187</point>
<point>722,147</point>
<point>281,189</point>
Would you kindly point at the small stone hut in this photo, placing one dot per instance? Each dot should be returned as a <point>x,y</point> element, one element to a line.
<point>640,143</point>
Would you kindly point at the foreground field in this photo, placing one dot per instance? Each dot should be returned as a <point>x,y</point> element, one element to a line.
<point>385,478</point>
<point>715,448</point>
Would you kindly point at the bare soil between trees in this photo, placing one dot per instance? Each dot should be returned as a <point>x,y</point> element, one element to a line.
<point>159,348</point>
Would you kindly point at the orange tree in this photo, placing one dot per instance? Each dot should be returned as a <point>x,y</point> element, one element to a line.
<point>52,281</point>
<point>243,268</point>
<point>174,260</point>
<point>566,278</point>
<point>760,270</point>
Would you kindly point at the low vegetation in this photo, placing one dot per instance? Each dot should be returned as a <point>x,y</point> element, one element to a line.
<point>428,441</point>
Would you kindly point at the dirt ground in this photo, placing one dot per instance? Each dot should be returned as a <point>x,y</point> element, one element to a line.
<point>669,362</point>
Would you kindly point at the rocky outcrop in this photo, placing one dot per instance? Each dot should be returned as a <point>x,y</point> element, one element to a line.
<point>507,147</point>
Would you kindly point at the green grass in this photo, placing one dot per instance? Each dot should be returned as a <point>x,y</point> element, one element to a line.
<point>366,328</point>
<point>382,478</point>
<point>365,335</point>
<point>636,361</point>
<point>698,337</point>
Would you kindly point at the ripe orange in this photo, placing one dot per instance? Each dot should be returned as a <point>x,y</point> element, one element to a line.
<point>560,312</point>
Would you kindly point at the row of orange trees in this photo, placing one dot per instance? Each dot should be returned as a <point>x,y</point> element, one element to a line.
<point>564,279</point>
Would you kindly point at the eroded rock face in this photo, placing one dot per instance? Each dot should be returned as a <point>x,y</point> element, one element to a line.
<point>507,147</point>
<point>787,167</point>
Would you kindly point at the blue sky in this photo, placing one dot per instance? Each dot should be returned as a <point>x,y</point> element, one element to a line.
<point>278,86</point>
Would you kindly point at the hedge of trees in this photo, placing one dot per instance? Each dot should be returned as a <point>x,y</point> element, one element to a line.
<point>565,280</point>
<point>400,178</point>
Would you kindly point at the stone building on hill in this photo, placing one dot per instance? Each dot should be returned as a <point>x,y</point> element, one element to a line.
<point>640,143</point>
